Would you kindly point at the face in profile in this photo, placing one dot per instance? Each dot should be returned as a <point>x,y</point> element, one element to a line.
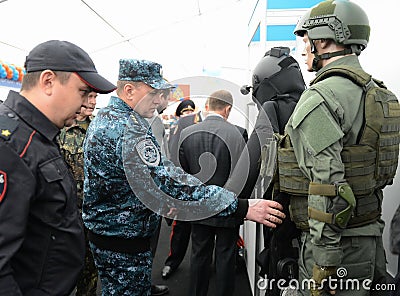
<point>88,108</point>
<point>71,95</point>
<point>147,100</point>
<point>307,54</point>
<point>164,98</point>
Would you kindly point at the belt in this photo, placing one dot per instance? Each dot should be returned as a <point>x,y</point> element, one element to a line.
<point>119,244</point>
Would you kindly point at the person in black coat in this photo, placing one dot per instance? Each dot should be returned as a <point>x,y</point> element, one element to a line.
<point>209,151</point>
<point>185,112</point>
<point>180,232</point>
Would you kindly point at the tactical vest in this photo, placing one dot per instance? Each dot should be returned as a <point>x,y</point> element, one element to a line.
<point>370,165</point>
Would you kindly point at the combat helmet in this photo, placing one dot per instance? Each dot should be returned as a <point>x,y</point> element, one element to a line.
<point>300,30</point>
<point>276,75</point>
<point>342,21</point>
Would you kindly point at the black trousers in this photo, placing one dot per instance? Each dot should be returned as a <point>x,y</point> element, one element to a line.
<point>179,241</point>
<point>204,240</point>
<point>154,239</point>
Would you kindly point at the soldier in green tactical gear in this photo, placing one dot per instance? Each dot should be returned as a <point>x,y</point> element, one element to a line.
<point>340,151</point>
<point>71,144</point>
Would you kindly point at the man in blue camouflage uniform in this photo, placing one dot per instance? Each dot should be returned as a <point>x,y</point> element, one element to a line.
<point>124,166</point>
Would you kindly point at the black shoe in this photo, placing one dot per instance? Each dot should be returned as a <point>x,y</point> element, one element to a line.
<point>166,271</point>
<point>157,290</point>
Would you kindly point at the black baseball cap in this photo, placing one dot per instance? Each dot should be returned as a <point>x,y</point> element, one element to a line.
<point>57,55</point>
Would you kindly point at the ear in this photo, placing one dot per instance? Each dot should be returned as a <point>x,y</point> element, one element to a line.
<point>129,90</point>
<point>46,81</point>
<point>227,111</point>
<point>324,43</point>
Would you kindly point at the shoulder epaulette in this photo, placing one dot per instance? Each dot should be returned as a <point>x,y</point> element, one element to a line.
<point>7,126</point>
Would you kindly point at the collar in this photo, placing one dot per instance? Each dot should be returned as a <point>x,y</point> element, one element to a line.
<point>80,123</point>
<point>214,115</point>
<point>202,114</point>
<point>119,104</point>
<point>31,115</point>
<point>350,60</point>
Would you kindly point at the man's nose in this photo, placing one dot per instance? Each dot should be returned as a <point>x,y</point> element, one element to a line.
<point>157,99</point>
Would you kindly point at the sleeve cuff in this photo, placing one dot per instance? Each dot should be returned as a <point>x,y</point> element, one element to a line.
<point>242,208</point>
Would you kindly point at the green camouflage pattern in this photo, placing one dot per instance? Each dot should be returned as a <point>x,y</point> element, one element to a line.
<point>71,145</point>
<point>88,278</point>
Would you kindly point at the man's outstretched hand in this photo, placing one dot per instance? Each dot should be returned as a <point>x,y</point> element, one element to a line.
<point>267,212</point>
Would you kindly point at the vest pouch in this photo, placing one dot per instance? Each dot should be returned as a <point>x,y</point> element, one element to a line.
<point>298,209</point>
<point>269,158</point>
<point>360,164</point>
<point>291,179</point>
<point>382,129</point>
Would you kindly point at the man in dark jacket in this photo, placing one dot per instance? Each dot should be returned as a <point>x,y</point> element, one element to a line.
<point>180,230</point>
<point>209,151</point>
<point>42,242</point>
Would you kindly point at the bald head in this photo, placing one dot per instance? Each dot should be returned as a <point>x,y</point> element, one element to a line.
<point>219,100</point>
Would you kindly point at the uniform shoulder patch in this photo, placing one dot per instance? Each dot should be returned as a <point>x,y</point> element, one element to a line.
<point>7,126</point>
<point>148,152</point>
<point>305,107</point>
<point>3,185</point>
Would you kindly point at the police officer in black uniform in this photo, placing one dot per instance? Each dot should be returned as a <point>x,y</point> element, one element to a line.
<point>41,233</point>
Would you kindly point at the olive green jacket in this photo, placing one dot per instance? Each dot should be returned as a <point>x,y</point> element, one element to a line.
<point>328,116</point>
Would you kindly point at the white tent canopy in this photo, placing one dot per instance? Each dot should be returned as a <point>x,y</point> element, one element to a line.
<point>184,36</point>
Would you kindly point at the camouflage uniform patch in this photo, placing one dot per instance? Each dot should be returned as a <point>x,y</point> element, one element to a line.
<point>148,152</point>
<point>71,145</point>
<point>124,274</point>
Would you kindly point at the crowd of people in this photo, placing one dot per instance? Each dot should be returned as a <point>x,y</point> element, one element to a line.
<point>82,196</point>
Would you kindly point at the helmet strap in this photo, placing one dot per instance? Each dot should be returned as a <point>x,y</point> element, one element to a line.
<point>328,55</point>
